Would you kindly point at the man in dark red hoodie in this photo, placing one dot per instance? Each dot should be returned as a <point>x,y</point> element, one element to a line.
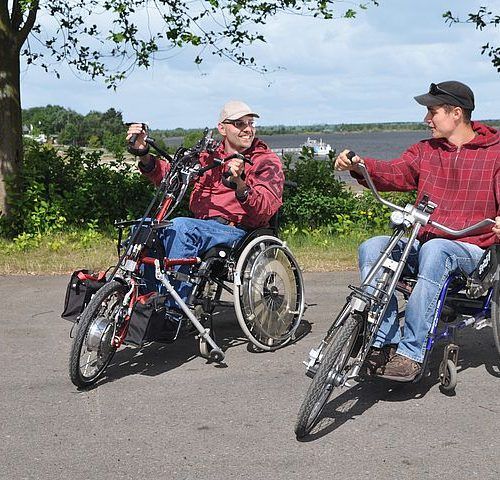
<point>224,208</point>
<point>459,169</point>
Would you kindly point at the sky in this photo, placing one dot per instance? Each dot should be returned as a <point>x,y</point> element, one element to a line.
<point>361,70</point>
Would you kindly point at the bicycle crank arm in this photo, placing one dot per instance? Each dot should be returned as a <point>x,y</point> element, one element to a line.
<point>216,354</point>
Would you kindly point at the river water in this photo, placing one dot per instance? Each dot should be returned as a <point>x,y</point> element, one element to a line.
<point>383,145</point>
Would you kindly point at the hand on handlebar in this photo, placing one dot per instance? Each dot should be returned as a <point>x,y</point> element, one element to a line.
<point>234,175</point>
<point>496,227</point>
<point>236,167</point>
<point>136,138</point>
<point>346,161</point>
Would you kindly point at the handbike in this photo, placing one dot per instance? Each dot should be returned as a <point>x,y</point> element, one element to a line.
<point>341,354</point>
<point>268,288</point>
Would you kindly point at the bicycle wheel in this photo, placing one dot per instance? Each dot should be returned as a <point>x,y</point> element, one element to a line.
<point>495,315</point>
<point>328,376</point>
<point>92,347</point>
<point>269,293</point>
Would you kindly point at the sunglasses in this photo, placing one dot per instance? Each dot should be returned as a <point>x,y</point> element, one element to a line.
<point>436,90</point>
<point>240,124</point>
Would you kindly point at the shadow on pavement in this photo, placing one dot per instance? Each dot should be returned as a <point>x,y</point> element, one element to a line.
<point>159,358</point>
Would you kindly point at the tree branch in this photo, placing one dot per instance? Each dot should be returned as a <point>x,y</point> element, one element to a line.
<point>28,24</point>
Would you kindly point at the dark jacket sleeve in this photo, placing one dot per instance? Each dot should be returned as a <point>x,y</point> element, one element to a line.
<point>156,174</point>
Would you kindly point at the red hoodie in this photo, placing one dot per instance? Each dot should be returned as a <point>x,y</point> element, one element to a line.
<point>463,182</point>
<point>211,198</point>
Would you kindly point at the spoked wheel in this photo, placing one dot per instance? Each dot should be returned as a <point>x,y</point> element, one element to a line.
<point>495,315</point>
<point>330,374</point>
<point>268,293</point>
<point>448,375</point>
<point>92,347</point>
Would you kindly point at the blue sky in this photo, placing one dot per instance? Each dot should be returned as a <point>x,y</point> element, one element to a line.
<point>338,71</point>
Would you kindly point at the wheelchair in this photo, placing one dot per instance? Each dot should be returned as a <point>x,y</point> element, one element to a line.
<point>260,272</point>
<point>266,283</point>
<point>465,301</point>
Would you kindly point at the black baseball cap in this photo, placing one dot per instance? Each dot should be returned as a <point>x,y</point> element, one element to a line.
<point>451,93</point>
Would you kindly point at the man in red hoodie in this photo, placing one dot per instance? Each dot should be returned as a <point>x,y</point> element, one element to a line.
<point>224,208</point>
<point>459,169</point>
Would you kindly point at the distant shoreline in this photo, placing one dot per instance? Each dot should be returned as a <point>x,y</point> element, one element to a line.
<point>271,130</point>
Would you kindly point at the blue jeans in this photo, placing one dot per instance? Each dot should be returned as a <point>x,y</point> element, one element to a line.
<point>432,263</point>
<point>191,237</point>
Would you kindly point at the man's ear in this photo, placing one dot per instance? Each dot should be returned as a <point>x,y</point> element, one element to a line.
<point>458,113</point>
<point>222,129</point>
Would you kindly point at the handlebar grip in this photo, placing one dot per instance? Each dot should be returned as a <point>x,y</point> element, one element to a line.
<point>350,155</point>
<point>133,139</point>
<point>216,163</point>
<point>134,136</point>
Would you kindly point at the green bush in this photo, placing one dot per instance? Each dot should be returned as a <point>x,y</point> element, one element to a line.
<point>77,190</point>
<point>322,200</point>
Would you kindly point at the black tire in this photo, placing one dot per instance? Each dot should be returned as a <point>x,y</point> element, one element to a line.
<point>448,375</point>
<point>334,359</point>
<point>92,350</point>
<point>495,315</point>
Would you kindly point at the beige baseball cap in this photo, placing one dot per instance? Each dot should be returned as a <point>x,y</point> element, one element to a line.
<point>235,109</point>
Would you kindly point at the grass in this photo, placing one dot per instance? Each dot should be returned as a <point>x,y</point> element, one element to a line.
<point>62,253</point>
<point>57,254</point>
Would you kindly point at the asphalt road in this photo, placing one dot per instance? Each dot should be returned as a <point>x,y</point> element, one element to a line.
<point>163,412</point>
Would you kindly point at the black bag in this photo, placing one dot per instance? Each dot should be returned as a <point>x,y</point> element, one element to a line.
<point>151,321</point>
<point>82,285</point>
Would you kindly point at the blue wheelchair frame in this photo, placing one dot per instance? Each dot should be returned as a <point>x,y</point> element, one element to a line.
<point>465,301</point>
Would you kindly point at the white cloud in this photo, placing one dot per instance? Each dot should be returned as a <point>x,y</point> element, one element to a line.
<point>362,70</point>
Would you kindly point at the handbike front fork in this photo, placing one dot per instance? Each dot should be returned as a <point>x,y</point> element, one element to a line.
<point>216,354</point>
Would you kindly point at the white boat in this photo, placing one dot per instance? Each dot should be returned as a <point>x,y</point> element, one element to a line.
<point>319,147</point>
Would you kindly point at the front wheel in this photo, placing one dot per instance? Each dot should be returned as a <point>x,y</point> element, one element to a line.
<point>330,374</point>
<point>93,348</point>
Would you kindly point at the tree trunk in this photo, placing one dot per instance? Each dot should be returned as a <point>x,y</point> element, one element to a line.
<point>11,146</point>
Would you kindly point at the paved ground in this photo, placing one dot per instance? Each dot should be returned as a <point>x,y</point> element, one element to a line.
<point>164,413</point>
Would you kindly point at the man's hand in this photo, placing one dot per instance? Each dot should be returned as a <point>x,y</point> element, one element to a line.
<point>236,168</point>
<point>137,129</point>
<point>496,227</point>
<point>343,163</point>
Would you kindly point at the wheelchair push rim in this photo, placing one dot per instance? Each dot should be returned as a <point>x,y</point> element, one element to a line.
<point>268,293</point>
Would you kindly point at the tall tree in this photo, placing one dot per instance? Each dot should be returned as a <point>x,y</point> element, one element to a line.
<point>108,38</point>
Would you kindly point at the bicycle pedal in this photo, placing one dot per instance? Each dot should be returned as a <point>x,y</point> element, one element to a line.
<point>485,322</point>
